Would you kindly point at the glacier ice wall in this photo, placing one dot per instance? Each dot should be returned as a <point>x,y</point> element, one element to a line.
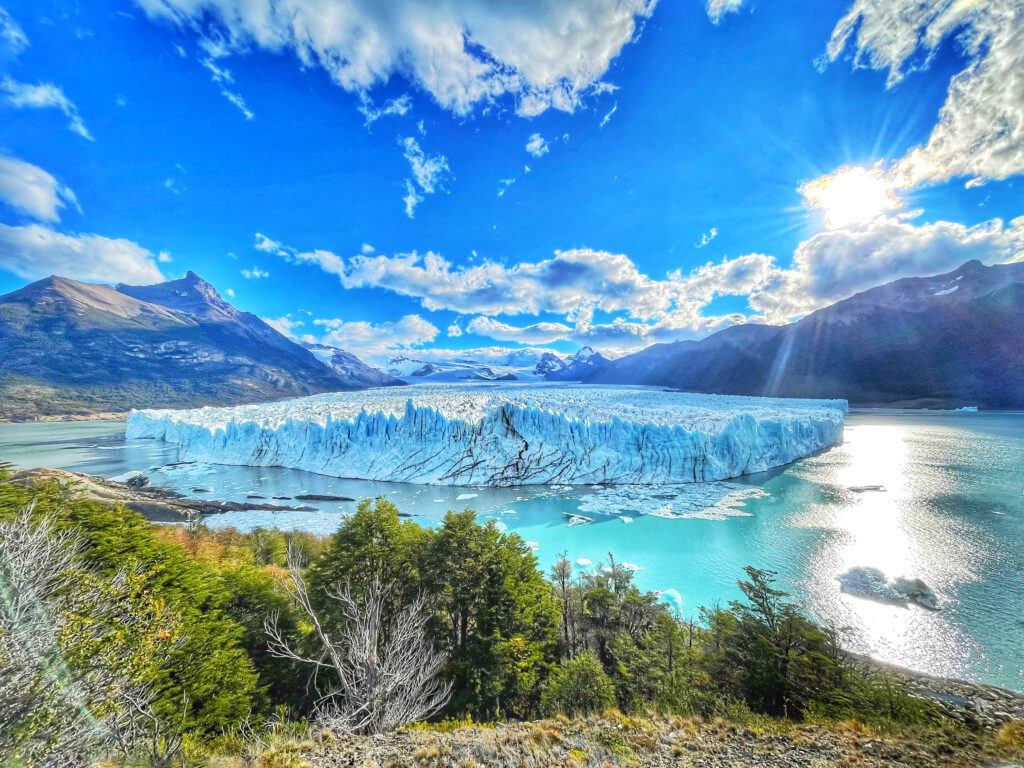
<point>506,435</point>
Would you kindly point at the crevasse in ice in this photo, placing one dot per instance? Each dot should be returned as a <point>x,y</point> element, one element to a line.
<point>506,435</point>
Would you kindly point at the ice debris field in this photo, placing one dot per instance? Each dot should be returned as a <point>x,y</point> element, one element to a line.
<point>506,435</point>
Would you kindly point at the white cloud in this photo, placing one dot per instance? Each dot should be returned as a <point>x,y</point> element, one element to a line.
<point>398,106</point>
<point>32,190</point>
<point>464,52</point>
<point>121,101</point>
<point>608,116</point>
<point>980,131</point>
<point>230,292</point>
<point>284,325</point>
<point>504,184</point>
<point>367,339</point>
<point>454,330</point>
<point>367,248</point>
<point>836,264</point>
<point>42,96</point>
<point>12,38</point>
<point>172,185</point>
<point>36,251</point>
<point>254,274</point>
<point>537,146</point>
<point>706,238</point>
<point>429,171</point>
<point>164,257</point>
<point>719,8</point>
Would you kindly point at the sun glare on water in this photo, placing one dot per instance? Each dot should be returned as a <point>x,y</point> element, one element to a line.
<point>851,195</point>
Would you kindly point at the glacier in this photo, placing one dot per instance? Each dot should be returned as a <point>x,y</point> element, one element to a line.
<point>506,435</point>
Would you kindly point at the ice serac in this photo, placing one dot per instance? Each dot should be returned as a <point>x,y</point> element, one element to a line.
<point>506,435</point>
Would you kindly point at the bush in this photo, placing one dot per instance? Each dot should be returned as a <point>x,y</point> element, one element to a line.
<point>578,688</point>
<point>1012,735</point>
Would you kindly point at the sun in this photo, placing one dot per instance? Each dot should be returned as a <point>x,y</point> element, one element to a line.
<point>851,195</point>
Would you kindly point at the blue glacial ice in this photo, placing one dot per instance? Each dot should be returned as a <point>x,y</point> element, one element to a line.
<point>506,435</point>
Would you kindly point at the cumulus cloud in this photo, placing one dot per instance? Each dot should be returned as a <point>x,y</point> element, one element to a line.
<point>12,38</point>
<point>254,274</point>
<point>35,251</point>
<point>44,96</point>
<point>537,146</point>
<point>371,339</point>
<point>32,190</point>
<point>836,264</point>
<point>464,52</point>
<point>980,131</point>
<point>430,173</point>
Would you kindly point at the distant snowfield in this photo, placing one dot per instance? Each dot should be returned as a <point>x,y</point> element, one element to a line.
<point>504,435</point>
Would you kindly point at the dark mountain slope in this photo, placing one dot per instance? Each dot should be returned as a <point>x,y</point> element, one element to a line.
<point>70,347</point>
<point>949,340</point>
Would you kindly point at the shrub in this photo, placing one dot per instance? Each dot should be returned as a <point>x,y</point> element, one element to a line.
<point>579,687</point>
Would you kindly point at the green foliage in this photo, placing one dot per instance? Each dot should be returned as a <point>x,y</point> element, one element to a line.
<point>209,667</point>
<point>496,617</point>
<point>579,687</point>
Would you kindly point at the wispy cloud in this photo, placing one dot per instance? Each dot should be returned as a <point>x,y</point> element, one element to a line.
<point>503,185</point>
<point>398,106</point>
<point>373,339</point>
<point>706,238</point>
<point>430,173</point>
<point>608,115</point>
<point>13,39</point>
<point>254,274</point>
<point>44,96</point>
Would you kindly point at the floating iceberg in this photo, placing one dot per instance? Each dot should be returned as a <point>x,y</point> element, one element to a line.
<point>872,584</point>
<point>506,435</point>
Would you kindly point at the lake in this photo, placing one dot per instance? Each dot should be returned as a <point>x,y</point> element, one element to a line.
<point>951,512</point>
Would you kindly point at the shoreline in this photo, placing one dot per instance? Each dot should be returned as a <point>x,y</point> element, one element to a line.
<point>66,418</point>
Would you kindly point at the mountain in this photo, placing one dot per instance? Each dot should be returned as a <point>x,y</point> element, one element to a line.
<point>350,368</point>
<point>944,341</point>
<point>513,365</point>
<point>76,348</point>
<point>576,367</point>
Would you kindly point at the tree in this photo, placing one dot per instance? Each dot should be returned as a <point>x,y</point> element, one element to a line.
<point>496,617</point>
<point>79,654</point>
<point>380,669</point>
<point>579,687</point>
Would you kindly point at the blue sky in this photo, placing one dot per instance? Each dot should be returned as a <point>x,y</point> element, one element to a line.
<point>357,171</point>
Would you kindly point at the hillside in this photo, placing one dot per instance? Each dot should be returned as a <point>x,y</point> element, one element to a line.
<point>68,347</point>
<point>944,341</point>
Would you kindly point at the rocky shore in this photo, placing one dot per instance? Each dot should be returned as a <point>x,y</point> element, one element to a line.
<point>987,706</point>
<point>157,504</point>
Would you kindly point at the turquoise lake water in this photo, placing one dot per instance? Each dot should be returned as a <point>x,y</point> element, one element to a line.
<point>951,513</point>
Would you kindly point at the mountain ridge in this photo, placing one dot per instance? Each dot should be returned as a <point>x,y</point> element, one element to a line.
<point>69,347</point>
<point>917,341</point>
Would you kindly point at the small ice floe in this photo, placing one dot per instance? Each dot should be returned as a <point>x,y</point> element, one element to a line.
<point>464,496</point>
<point>966,409</point>
<point>871,583</point>
<point>706,501</point>
<point>578,519</point>
<point>583,561</point>
<point>625,519</point>
<point>865,488</point>
<point>128,476</point>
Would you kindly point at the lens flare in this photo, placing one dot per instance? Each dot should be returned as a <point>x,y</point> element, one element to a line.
<point>851,196</point>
